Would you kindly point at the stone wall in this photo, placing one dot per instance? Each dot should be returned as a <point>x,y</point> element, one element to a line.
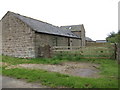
<point>43,41</point>
<point>75,42</point>
<point>78,30</point>
<point>82,34</point>
<point>17,38</point>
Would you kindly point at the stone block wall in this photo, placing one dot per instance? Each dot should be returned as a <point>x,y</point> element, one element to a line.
<point>62,41</point>
<point>75,42</point>
<point>79,30</point>
<point>17,38</point>
<point>44,40</point>
<point>82,34</point>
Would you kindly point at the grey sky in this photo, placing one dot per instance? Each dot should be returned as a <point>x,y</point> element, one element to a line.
<point>100,17</point>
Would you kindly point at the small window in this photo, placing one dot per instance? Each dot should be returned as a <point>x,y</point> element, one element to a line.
<point>70,27</point>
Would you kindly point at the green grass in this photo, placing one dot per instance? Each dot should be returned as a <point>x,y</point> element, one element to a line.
<point>53,79</point>
<point>108,68</point>
<point>15,61</point>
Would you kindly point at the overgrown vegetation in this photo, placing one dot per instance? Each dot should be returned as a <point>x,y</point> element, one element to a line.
<point>108,68</point>
<point>114,37</point>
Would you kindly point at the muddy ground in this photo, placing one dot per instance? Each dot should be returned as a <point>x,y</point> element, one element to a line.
<point>72,68</point>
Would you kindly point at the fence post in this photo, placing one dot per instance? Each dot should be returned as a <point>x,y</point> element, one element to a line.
<point>118,52</point>
<point>115,51</point>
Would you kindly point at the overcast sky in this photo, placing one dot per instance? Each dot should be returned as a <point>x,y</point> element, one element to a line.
<point>100,17</point>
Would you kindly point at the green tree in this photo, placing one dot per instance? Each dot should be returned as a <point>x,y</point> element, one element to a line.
<point>118,37</point>
<point>113,37</point>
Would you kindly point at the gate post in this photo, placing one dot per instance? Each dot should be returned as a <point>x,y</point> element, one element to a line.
<point>118,52</point>
<point>115,51</point>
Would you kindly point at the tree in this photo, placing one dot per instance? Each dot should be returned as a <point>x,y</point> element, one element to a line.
<point>118,37</point>
<point>113,37</point>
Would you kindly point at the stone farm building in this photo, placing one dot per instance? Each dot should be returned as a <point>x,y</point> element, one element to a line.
<point>25,37</point>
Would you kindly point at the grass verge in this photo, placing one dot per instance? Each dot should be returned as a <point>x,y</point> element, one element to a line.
<point>54,79</point>
<point>108,68</point>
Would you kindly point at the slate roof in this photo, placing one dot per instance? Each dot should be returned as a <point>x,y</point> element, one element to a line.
<point>88,39</point>
<point>101,41</point>
<point>43,27</point>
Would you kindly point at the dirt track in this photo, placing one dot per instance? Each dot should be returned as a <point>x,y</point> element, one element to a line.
<point>71,68</point>
<point>8,82</point>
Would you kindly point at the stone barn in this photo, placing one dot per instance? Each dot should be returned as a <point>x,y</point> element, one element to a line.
<point>78,30</point>
<point>25,37</point>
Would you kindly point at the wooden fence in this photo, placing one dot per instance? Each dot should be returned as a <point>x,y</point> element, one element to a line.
<point>96,44</point>
<point>104,51</point>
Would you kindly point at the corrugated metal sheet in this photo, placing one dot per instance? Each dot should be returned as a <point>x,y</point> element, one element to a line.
<point>44,27</point>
